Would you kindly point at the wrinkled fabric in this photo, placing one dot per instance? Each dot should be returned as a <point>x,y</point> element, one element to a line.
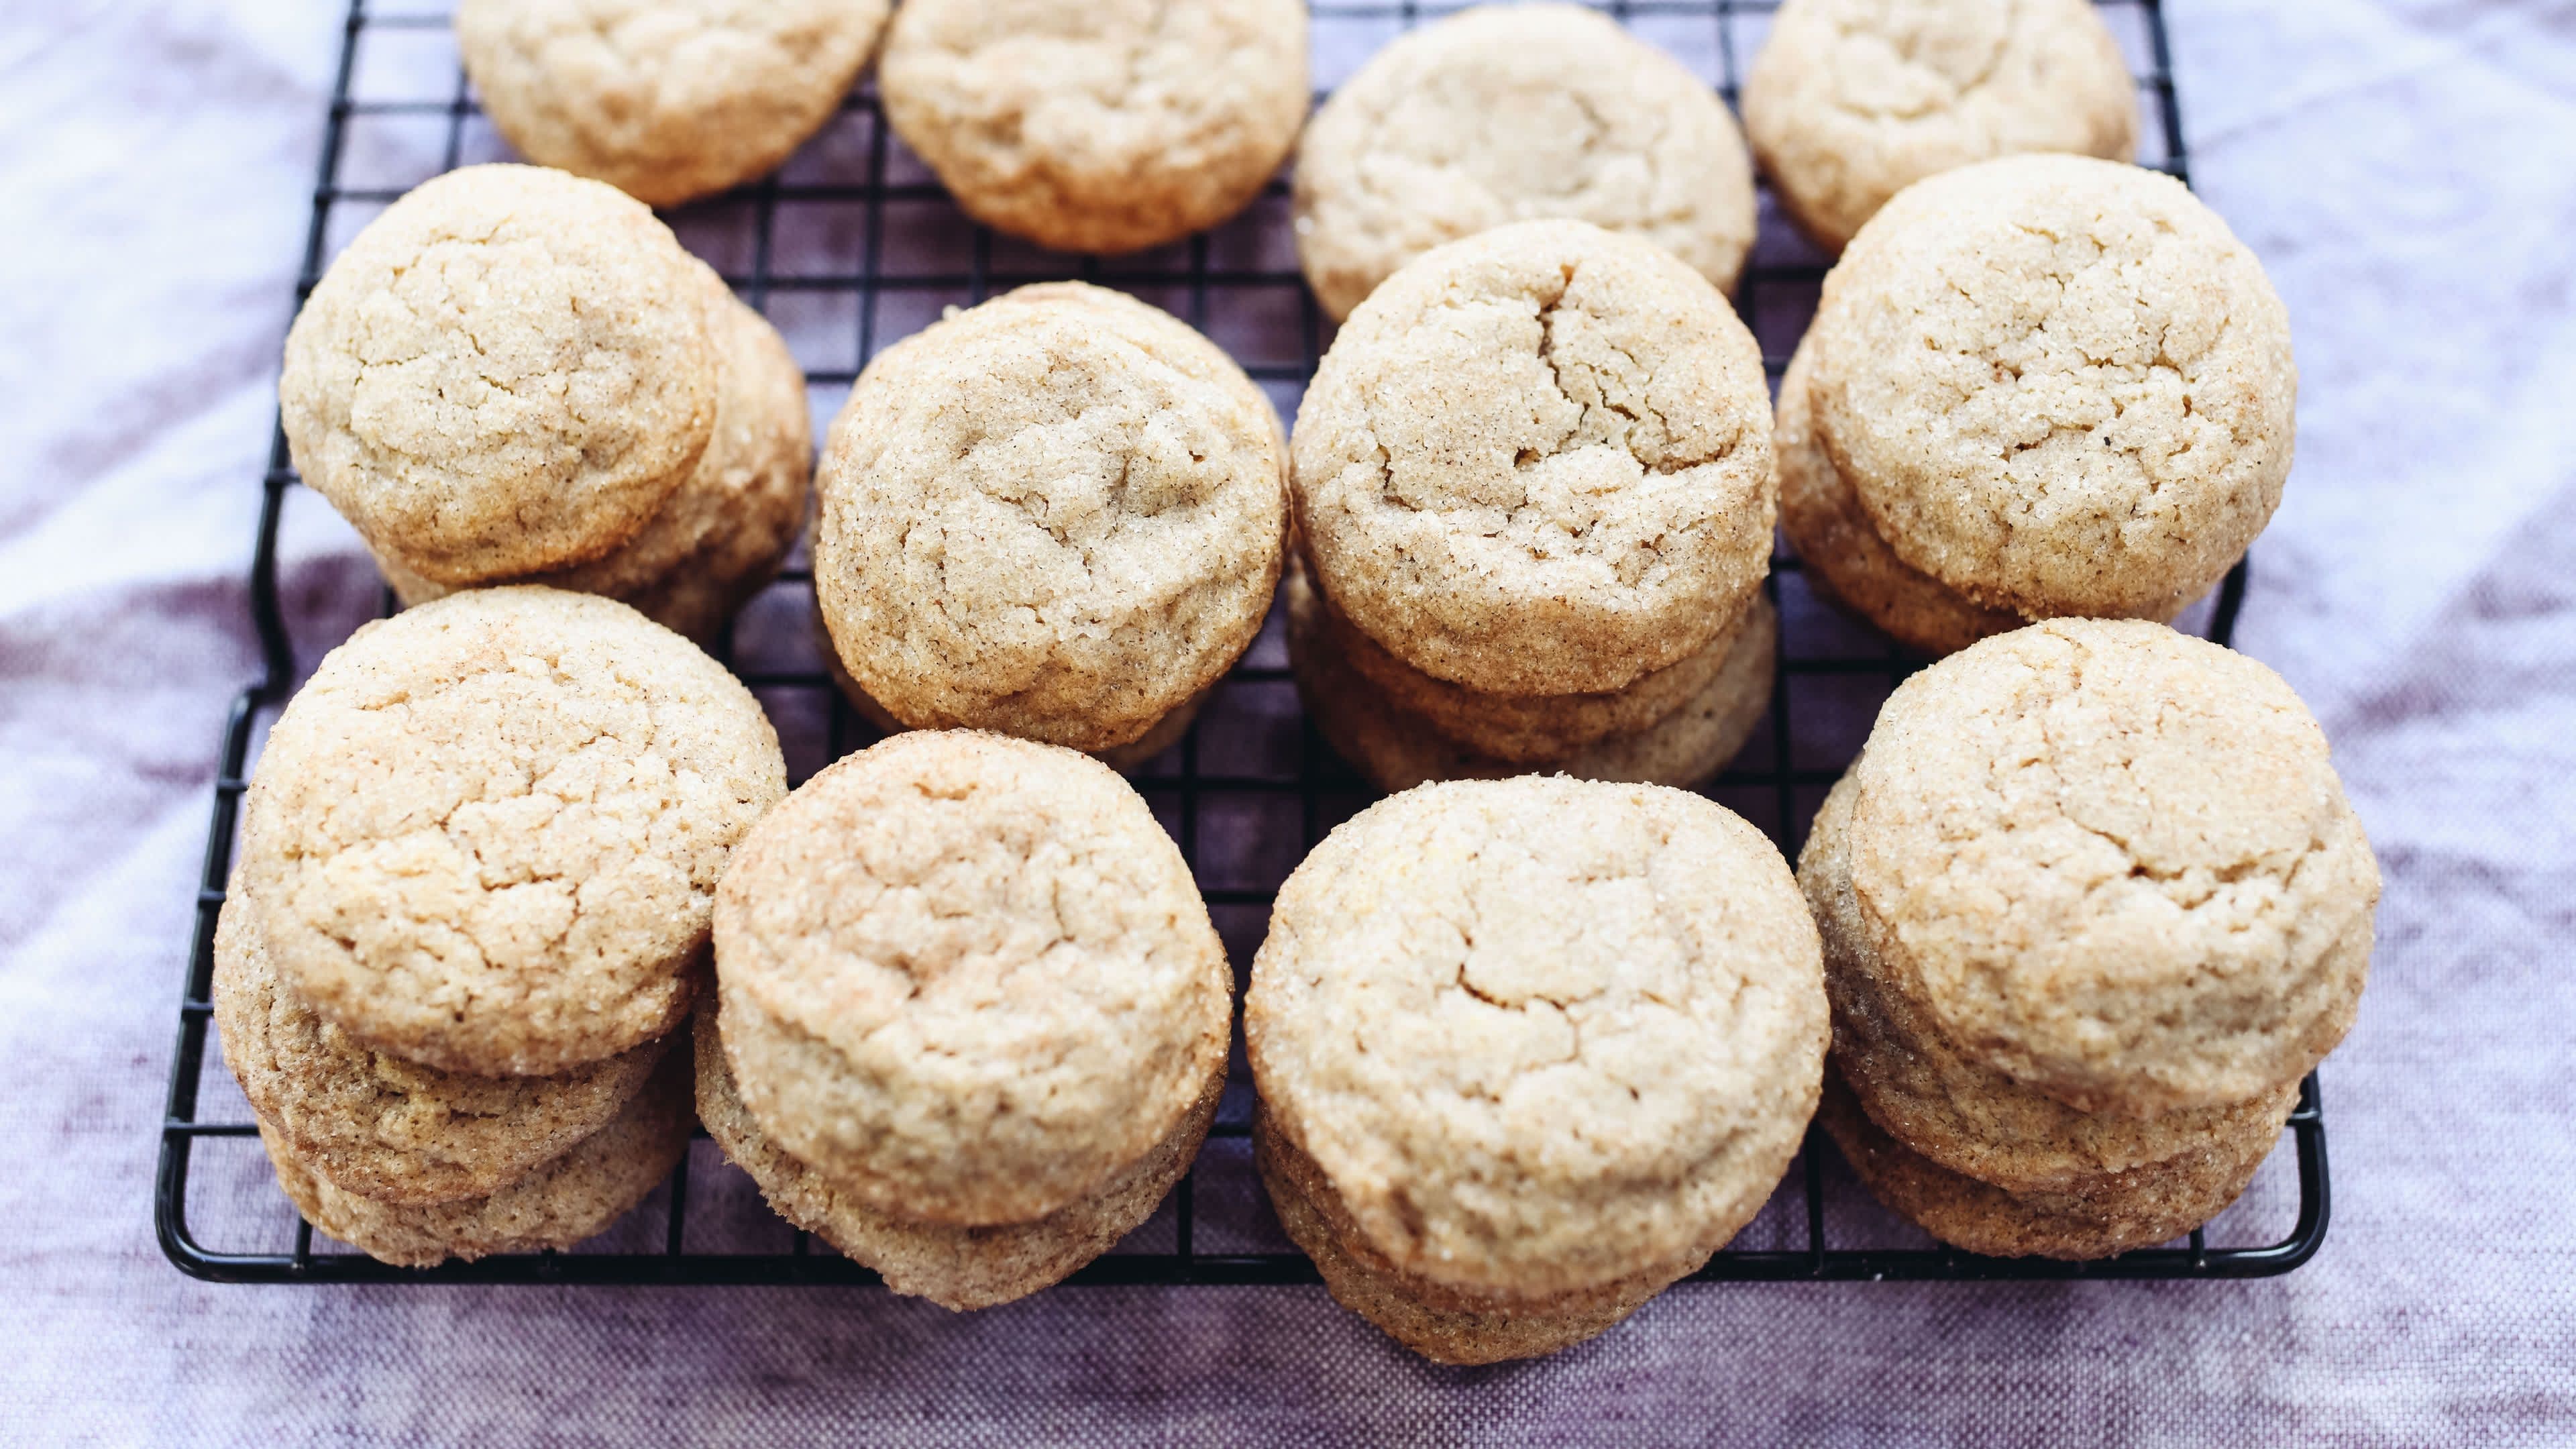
<point>2407,171</point>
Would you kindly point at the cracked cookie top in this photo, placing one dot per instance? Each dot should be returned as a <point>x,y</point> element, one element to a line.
<point>2114,863</point>
<point>486,835</point>
<point>2058,385</point>
<point>507,372</point>
<point>1541,1034</point>
<point>1058,515</point>
<point>1098,125</point>
<point>664,99</point>
<point>968,978</point>
<point>1538,461</point>
<point>1510,113</point>
<point>1852,101</point>
<point>381,1126</point>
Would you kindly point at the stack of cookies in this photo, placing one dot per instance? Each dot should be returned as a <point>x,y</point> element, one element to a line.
<point>1533,490</point>
<point>2092,902</point>
<point>2038,387</point>
<point>1058,515</point>
<point>1528,1051</point>
<point>478,864</point>
<point>519,376</point>
<point>971,1016</point>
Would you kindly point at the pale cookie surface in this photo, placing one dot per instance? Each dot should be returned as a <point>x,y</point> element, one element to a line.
<point>486,835</point>
<point>1438,1323</point>
<point>957,1268</point>
<point>664,99</point>
<point>1852,101</point>
<point>383,1127</point>
<point>2149,1206</point>
<point>2114,862</point>
<point>1540,1035</point>
<point>1398,749</point>
<point>1847,562</point>
<point>2059,386</point>
<point>1538,461</point>
<point>968,977</point>
<point>1098,125</point>
<point>720,535</point>
<point>560,1203</point>
<point>1058,515</point>
<point>1515,113</point>
<point>507,371</point>
<point>1965,1116</point>
<point>1525,728</point>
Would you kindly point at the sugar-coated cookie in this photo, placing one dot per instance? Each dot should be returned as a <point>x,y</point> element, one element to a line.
<point>1538,461</point>
<point>718,539</point>
<point>1506,113</point>
<point>968,979</point>
<point>664,99</point>
<point>382,1127</point>
<point>1058,515</point>
<point>1851,101</point>
<point>2057,385</point>
<point>1098,125</point>
<point>1529,1050</point>
<point>508,371</point>
<point>486,835</point>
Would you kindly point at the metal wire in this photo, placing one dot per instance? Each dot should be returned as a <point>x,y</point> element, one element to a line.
<point>1784,786</point>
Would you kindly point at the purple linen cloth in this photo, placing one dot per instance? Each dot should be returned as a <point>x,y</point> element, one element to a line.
<point>2406,170</point>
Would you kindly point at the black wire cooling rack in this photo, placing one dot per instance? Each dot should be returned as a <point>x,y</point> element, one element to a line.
<point>853,246</point>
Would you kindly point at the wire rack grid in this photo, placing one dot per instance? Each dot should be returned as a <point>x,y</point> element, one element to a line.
<point>853,246</point>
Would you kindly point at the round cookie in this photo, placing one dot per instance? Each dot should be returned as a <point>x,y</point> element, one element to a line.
<point>717,540</point>
<point>1513,113</point>
<point>1961,1115</point>
<point>1536,1047</point>
<point>2060,386</point>
<point>1098,125</point>
<point>958,1268</point>
<point>573,1197</point>
<point>1058,515</point>
<point>1851,101</point>
<point>382,1127</point>
<point>1538,461</point>
<point>968,978</point>
<point>2113,863</point>
<point>508,371</point>
<point>2149,1206</point>
<point>1847,563</point>
<point>1398,750</point>
<point>664,99</point>
<point>486,835</point>
<point>1528,727</point>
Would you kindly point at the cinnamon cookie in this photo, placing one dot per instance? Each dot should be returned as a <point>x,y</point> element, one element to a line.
<point>1852,101</point>
<point>958,1268</point>
<point>508,371</point>
<point>664,99</point>
<point>2113,863</point>
<point>718,539</point>
<point>1098,125</point>
<point>1538,461</point>
<point>1847,563</point>
<point>1529,1050</point>
<point>573,1197</point>
<point>1507,113</point>
<point>1398,749</point>
<point>486,835</point>
<point>968,979</point>
<point>382,1127</point>
<point>2059,386</point>
<point>1058,515</point>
